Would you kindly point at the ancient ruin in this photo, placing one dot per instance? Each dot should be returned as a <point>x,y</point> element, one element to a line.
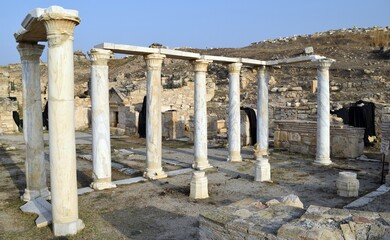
<point>179,114</point>
<point>56,26</point>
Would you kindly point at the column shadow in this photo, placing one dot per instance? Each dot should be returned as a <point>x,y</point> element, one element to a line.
<point>17,175</point>
<point>152,223</point>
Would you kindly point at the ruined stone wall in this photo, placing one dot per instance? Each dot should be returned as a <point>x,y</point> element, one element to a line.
<point>386,126</point>
<point>7,123</point>
<point>300,137</point>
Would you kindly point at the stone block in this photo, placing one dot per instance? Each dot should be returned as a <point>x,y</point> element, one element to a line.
<point>347,184</point>
<point>294,137</point>
<point>41,207</point>
<point>292,200</point>
<point>199,185</point>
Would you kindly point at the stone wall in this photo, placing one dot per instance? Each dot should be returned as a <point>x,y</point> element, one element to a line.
<point>7,123</point>
<point>386,126</point>
<point>274,220</point>
<point>300,137</point>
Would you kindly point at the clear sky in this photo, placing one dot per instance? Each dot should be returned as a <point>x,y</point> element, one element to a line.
<point>194,23</point>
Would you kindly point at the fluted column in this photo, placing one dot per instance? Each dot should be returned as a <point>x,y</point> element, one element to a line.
<point>323,113</point>
<point>59,28</point>
<point>101,147</point>
<point>153,117</point>
<point>262,167</point>
<point>200,116</point>
<point>32,122</point>
<point>234,135</point>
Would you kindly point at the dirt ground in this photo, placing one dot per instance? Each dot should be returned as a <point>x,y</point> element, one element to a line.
<point>162,209</point>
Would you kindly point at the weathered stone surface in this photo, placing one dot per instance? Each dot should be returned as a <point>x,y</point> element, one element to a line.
<point>292,200</point>
<point>41,207</point>
<point>300,136</point>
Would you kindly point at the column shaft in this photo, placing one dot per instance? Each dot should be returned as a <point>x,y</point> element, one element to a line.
<point>234,134</point>
<point>323,113</point>
<point>262,111</point>
<point>153,117</point>
<point>62,123</point>
<point>32,118</point>
<point>101,147</point>
<point>200,116</point>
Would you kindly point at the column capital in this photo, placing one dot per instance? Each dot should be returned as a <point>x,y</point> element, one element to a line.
<point>30,51</point>
<point>59,26</point>
<point>200,65</point>
<point>234,67</point>
<point>325,63</point>
<point>99,56</point>
<point>154,61</point>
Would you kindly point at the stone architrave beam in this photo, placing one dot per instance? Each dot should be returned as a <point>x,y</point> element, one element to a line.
<point>32,114</point>
<point>101,147</point>
<point>234,135</point>
<point>323,113</point>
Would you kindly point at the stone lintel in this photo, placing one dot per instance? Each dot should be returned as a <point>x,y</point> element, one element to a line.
<point>310,58</point>
<point>135,50</point>
<point>33,28</point>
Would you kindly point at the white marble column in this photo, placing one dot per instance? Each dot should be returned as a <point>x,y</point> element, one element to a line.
<point>262,134</point>
<point>200,116</point>
<point>153,117</point>
<point>60,27</point>
<point>262,167</point>
<point>234,135</point>
<point>323,113</point>
<point>32,122</point>
<point>101,147</point>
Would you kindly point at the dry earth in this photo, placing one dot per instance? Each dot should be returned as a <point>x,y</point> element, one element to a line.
<point>162,209</point>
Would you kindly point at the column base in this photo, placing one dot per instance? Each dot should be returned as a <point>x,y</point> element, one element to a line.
<point>262,170</point>
<point>234,157</point>
<point>29,195</point>
<point>64,229</point>
<point>199,185</point>
<point>154,174</point>
<point>101,185</point>
<point>203,165</point>
<point>323,161</point>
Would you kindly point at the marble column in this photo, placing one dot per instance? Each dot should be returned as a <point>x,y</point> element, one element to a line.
<point>234,135</point>
<point>59,28</point>
<point>32,119</point>
<point>262,167</point>
<point>101,147</point>
<point>153,117</point>
<point>200,116</point>
<point>262,134</point>
<point>323,113</point>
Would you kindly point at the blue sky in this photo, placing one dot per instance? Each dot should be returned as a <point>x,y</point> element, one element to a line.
<point>195,23</point>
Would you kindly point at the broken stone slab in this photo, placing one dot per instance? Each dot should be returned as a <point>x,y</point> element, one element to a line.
<point>82,191</point>
<point>292,200</point>
<point>179,171</point>
<point>41,207</point>
<point>129,180</point>
<point>177,163</point>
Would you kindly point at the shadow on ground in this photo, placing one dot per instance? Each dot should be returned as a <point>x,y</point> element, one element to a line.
<point>152,223</point>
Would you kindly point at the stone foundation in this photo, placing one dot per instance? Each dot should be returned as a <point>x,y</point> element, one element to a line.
<point>300,136</point>
<point>251,219</point>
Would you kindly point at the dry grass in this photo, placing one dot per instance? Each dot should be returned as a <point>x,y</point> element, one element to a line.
<point>380,38</point>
